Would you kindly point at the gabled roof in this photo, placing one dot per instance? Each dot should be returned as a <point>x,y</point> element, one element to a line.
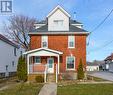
<point>41,22</point>
<point>95,63</point>
<point>74,22</point>
<point>109,57</point>
<point>44,29</point>
<point>56,8</point>
<point>8,41</point>
<point>71,21</point>
<point>43,49</point>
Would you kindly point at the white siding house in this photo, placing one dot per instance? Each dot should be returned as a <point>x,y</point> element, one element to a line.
<point>109,63</point>
<point>9,54</point>
<point>92,66</point>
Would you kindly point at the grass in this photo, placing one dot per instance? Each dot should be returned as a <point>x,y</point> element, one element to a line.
<point>22,89</point>
<point>95,78</point>
<point>86,89</point>
<point>98,79</point>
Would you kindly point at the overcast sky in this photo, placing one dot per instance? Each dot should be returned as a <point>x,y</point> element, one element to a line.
<point>89,12</point>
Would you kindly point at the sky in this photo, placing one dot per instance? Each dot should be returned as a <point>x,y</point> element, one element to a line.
<point>89,12</point>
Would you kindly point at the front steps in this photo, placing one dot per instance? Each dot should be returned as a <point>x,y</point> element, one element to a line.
<point>51,78</point>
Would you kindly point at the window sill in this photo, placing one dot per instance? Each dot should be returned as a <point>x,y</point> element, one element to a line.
<point>71,47</point>
<point>37,63</point>
<point>70,69</point>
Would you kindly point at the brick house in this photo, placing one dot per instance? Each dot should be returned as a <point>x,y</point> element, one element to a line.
<point>56,46</point>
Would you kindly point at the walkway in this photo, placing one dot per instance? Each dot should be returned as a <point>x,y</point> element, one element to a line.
<point>49,89</point>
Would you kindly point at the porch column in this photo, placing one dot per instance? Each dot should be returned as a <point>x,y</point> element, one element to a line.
<point>58,63</point>
<point>28,64</point>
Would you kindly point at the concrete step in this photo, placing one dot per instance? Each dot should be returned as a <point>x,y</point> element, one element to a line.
<point>51,78</point>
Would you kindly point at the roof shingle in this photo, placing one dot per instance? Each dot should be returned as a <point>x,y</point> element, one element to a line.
<point>8,41</point>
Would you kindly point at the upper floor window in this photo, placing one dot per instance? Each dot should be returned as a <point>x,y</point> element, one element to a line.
<point>6,67</point>
<point>58,22</point>
<point>13,63</point>
<point>44,41</point>
<point>20,52</point>
<point>71,41</point>
<point>14,51</point>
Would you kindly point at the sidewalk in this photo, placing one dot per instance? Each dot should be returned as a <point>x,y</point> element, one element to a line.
<point>49,89</point>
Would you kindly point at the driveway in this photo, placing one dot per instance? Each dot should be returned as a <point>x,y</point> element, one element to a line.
<point>103,74</point>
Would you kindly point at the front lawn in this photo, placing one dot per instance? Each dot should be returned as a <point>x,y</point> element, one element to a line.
<point>22,89</point>
<point>86,89</point>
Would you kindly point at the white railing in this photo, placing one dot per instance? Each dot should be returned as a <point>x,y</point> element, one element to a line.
<point>37,68</point>
<point>45,71</point>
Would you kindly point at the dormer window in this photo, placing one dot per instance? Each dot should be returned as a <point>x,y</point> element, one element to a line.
<point>58,22</point>
<point>44,41</point>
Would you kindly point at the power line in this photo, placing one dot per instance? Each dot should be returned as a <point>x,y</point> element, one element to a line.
<point>103,46</point>
<point>99,25</point>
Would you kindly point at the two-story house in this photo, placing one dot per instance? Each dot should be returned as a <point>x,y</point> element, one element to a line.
<point>9,54</point>
<point>56,45</point>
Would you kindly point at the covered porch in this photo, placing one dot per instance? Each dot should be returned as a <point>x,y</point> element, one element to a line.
<point>43,61</point>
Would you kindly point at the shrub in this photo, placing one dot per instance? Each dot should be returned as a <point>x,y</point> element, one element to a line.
<point>80,71</point>
<point>39,79</point>
<point>22,69</point>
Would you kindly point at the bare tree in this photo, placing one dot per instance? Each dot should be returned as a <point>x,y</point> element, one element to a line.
<point>18,29</point>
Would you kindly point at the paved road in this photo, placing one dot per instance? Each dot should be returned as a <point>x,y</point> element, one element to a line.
<point>104,75</point>
<point>49,89</point>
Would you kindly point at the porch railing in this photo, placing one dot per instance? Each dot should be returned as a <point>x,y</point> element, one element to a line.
<point>36,68</point>
<point>41,69</point>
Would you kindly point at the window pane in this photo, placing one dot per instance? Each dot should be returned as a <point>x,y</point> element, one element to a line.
<point>14,51</point>
<point>58,22</point>
<point>71,44</point>
<point>44,41</point>
<point>71,41</point>
<point>70,62</point>
<point>44,44</point>
<point>37,59</point>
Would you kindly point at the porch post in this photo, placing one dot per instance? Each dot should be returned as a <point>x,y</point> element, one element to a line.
<point>45,74</point>
<point>58,63</point>
<point>28,64</point>
<point>56,73</point>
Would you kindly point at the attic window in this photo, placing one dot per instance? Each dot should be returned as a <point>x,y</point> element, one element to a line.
<point>58,22</point>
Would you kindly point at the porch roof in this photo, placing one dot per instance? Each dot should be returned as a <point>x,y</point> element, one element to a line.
<point>43,52</point>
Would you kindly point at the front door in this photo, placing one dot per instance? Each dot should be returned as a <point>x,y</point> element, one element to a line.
<point>50,62</point>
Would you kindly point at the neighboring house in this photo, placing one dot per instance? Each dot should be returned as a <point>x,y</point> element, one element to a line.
<point>9,54</point>
<point>92,66</point>
<point>109,63</point>
<point>56,46</point>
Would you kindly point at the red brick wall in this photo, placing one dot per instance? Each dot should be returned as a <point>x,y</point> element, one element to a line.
<point>60,43</point>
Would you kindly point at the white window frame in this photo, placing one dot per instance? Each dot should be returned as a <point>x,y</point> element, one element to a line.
<point>58,22</point>
<point>35,59</point>
<point>42,40</point>
<point>66,63</point>
<point>70,39</point>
